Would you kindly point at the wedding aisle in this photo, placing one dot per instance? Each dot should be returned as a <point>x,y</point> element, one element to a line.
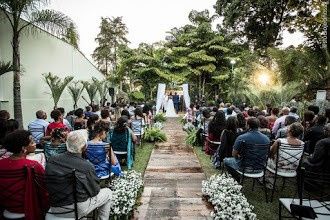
<point>173,180</point>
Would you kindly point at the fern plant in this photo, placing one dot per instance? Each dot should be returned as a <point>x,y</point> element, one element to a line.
<point>160,117</point>
<point>191,138</point>
<point>154,134</point>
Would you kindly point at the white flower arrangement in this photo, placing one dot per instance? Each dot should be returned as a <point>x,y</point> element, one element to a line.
<point>158,125</point>
<point>225,195</point>
<point>125,191</point>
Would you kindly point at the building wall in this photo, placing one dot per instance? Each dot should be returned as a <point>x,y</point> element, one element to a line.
<point>41,53</point>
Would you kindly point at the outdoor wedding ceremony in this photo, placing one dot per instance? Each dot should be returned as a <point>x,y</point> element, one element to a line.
<point>149,109</point>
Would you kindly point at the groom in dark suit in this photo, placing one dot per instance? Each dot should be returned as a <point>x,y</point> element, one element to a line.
<point>176,101</point>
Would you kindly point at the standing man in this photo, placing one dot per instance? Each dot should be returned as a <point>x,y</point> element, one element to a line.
<point>176,102</point>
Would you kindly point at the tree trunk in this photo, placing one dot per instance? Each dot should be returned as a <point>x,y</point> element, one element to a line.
<point>203,86</point>
<point>17,76</point>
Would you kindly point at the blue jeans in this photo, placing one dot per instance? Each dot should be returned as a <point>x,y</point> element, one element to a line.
<point>232,162</point>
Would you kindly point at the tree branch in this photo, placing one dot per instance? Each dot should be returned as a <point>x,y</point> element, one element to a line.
<point>6,14</point>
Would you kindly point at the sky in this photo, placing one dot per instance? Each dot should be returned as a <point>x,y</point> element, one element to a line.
<point>147,20</point>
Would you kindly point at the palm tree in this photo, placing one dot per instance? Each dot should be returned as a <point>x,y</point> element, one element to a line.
<point>56,85</point>
<point>75,90</point>
<point>51,20</point>
<point>102,88</point>
<point>91,89</point>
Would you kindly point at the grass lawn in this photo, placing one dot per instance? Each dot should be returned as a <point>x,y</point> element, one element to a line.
<point>264,211</point>
<point>142,157</point>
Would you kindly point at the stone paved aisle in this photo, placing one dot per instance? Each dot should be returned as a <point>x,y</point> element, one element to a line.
<point>173,180</point>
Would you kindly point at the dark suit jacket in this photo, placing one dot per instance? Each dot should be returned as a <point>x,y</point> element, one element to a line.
<point>176,99</point>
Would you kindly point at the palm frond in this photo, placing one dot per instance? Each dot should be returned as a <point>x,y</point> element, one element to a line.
<point>75,90</point>
<point>51,20</point>
<point>56,85</point>
<point>5,67</point>
<point>91,89</point>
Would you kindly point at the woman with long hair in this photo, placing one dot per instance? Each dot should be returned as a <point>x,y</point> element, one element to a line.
<point>228,137</point>
<point>216,126</point>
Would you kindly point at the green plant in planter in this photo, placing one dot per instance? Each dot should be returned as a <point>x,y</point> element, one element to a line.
<point>160,117</point>
<point>154,134</point>
<point>191,138</point>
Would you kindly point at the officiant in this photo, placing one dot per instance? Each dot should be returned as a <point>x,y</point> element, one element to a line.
<point>176,101</point>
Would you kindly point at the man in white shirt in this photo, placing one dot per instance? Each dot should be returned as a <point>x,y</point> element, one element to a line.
<point>38,126</point>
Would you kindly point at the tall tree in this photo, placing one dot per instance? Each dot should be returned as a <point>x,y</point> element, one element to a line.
<point>51,20</point>
<point>71,36</point>
<point>112,35</point>
<point>260,21</point>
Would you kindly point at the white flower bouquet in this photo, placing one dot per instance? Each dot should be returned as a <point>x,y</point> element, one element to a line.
<point>225,195</point>
<point>125,192</point>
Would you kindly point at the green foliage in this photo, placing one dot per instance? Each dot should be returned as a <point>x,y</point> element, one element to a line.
<point>112,35</point>
<point>154,135</point>
<point>137,96</point>
<point>75,90</point>
<point>91,89</point>
<point>191,138</point>
<point>160,117</point>
<point>261,22</point>
<point>56,85</point>
<point>5,67</point>
<point>102,87</point>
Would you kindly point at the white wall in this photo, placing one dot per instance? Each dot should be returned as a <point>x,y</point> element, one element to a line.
<point>41,53</point>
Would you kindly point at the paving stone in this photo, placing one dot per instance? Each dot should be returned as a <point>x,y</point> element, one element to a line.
<point>173,180</point>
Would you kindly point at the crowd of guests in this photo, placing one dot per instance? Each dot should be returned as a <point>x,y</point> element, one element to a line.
<point>224,130</point>
<point>94,142</point>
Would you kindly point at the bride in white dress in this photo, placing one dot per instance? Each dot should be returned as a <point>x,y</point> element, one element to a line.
<point>170,111</point>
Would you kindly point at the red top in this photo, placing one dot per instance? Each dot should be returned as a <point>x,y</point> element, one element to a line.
<point>21,193</point>
<point>53,126</point>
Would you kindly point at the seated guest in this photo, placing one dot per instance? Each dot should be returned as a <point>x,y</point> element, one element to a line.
<point>319,161</point>
<point>279,123</point>
<point>57,143</point>
<point>251,137</point>
<point>205,120</point>
<point>57,116</point>
<point>25,200</point>
<point>79,122</point>
<point>147,113</point>
<point>105,116</point>
<point>228,137</point>
<point>88,113</point>
<point>241,123</point>
<point>38,127</point>
<point>314,133</point>
<point>4,116</point>
<point>293,133</point>
<point>293,112</point>
<point>216,126</point>
<point>125,112</point>
<point>308,119</point>
<point>264,128</point>
<point>90,195</point>
<point>99,158</point>
<point>283,132</point>
<point>122,139</point>
<point>11,125</point>
<point>92,121</point>
<point>64,120</point>
<point>138,123</point>
<point>273,117</point>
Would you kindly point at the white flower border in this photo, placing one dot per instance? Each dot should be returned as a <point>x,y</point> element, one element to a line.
<point>225,195</point>
<point>124,193</point>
